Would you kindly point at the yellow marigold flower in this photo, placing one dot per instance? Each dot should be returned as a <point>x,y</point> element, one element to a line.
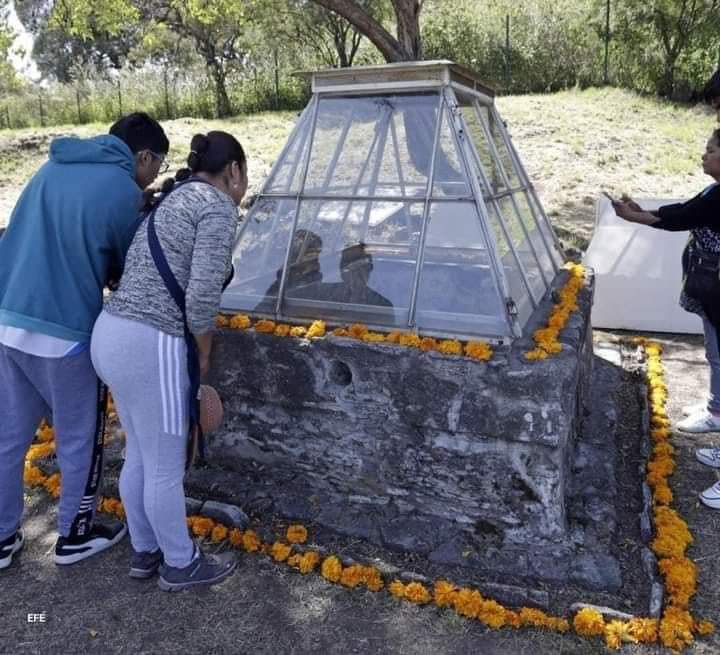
<point>676,628</point>
<point>340,332</point>
<point>298,331</point>
<point>317,329</point>
<point>356,330</point>
<point>478,350</point>
<point>280,551</point>
<point>281,330</point>
<point>704,628</point>
<point>660,422</point>
<point>546,334</point>
<point>450,347</point>
<point>52,484</point>
<point>265,326</point>
<point>444,593</point>
<point>297,534</point>
<point>673,535</point>
<point>427,344</point>
<point>373,337</point>
<point>202,526</point>
<point>417,593</point>
<point>467,602</point>
<point>222,321</point>
<point>219,533</point>
<point>250,541</point>
<point>352,576</point>
<point>492,614</point>
<point>240,322</point>
<point>539,619</point>
<point>331,569</point>
<point>236,537</point>
<point>393,337</point>
<point>680,579</point>
<point>537,353</point>
<point>616,633</point>
<point>409,340</point>
<point>33,476</point>
<point>589,622</point>
<point>662,494</point>
<point>38,451</point>
<point>308,562</point>
<point>663,449</point>
<point>397,589</point>
<point>373,579</point>
<point>643,630</point>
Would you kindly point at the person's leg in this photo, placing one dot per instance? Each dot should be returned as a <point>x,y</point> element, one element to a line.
<point>712,354</point>
<point>22,408</point>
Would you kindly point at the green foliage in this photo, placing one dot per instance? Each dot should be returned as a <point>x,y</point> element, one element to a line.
<point>9,80</point>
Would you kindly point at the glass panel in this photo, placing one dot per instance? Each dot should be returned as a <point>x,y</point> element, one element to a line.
<point>353,261</point>
<point>522,247</point>
<point>496,131</point>
<point>449,177</point>
<point>259,257</point>
<point>373,145</point>
<point>487,162</point>
<point>458,292</point>
<point>557,255</point>
<point>286,177</point>
<point>536,237</point>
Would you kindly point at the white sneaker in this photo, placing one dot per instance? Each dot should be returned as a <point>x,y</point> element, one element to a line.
<point>711,496</point>
<point>689,410</point>
<point>708,456</point>
<point>699,423</point>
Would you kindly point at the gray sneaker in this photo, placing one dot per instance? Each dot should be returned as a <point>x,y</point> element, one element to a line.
<point>203,570</point>
<point>145,565</point>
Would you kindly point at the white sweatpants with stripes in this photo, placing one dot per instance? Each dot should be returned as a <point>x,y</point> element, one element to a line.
<point>146,370</point>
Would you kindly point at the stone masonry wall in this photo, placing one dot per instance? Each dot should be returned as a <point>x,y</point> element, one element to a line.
<point>381,430</point>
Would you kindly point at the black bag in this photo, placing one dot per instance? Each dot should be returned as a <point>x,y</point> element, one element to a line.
<point>702,280</point>
<point>196,440</point>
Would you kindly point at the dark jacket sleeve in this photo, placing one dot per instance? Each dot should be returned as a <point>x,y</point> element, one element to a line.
<point>701,211</point>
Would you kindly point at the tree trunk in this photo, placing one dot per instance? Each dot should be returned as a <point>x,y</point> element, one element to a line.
<point>222,100</point>
<point>405,48</point>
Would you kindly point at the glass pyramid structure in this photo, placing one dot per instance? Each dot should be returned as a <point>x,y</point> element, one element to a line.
<point>399,202</point>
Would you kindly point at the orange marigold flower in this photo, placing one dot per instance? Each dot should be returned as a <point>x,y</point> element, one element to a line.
<point>393,337</point>
<point>236,537</point>
<point>676,628</point>
<point>704,628</point>
<point>331,569</point>
<point>265,326</point>
<point>222,321</point>
<point>352,576</point>
<point>316,329</point>
<point>428,343</point>
<point>219,533</point>
<point>450,347</point>
<point>356,330</point>
<point>280,551</point>
<point>444,593</point>
<point>281,330</point>
<point>478,350</point>
<point>662,494</point>
<point>297,534</point>
<point>589,622</point>
<point>373,579</point>
<point>240,322</point>
<point>33,476</point>
<point>409,340</point>
<point>644,630</point>
<point>397,589</point>
<point>537,353</point>
<point>38,451</point>
<point>417,593</point>
<point>250,541</point>
<point>492,614</point>
<point>680,579</point>
<point>202,526</point>
<point>308,561</point>
<point>45,433</point>
<point>340,332</point>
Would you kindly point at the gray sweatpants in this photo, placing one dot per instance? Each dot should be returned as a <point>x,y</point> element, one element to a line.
<point>67,391</point>
<point>146,370</point>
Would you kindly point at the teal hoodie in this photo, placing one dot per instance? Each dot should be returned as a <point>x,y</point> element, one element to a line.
<point>71,226</point>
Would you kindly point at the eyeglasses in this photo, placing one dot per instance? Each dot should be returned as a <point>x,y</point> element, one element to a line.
<point>164,165</point>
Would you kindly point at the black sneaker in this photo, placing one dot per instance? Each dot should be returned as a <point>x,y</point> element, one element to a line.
<point>69,550</point>
<point>203,570</point>
<point>10,546</point>
<point>145,565</point>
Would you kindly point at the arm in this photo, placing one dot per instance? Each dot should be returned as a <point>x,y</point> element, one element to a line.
<point>212,251</point>
<point>701,211</point>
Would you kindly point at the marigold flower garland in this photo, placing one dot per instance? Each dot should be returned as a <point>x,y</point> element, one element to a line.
<point>479,350</point>
<point>546,339</point>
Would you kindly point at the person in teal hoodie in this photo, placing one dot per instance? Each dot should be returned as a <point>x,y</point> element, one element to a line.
<point>67,236</point>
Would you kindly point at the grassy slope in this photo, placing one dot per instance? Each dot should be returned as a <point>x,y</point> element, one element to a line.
<point>573,144</point>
